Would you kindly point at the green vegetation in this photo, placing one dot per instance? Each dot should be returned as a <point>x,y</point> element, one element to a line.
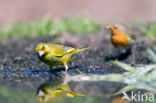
<point>136,77</point>
<point>46,26</point>
<point>15,96</point>
<point>148,28</point>
<point>151,54</point>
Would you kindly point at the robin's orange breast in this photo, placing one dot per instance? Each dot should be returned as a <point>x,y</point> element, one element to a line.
<point>119,40</point>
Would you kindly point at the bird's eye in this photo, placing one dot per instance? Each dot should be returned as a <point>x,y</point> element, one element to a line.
<point>115,27</point>
<point>43,48</point>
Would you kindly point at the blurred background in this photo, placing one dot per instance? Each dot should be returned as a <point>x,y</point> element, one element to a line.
<point>79,24</point>
<point>99,10</point>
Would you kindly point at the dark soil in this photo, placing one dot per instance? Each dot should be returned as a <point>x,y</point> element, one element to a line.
<point>18,55</point>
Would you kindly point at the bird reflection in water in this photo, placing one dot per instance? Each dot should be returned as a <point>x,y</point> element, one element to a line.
<point>55,88</point>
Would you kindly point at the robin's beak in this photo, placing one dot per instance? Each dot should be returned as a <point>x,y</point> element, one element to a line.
<point>108,27</point>
<point>40,52</point>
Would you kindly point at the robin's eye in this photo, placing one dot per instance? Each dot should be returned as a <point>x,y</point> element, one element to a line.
<point>115,27</point>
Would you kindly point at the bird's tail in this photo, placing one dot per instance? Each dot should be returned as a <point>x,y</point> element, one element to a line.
<point>73,51</point>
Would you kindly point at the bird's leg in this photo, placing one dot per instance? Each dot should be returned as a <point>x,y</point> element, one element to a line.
<point>134,55</point>
<point>66,67</point>
<point>134,59</point>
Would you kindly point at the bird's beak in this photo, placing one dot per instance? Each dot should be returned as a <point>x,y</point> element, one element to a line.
<point>40,53</point>
<point>41,93</point>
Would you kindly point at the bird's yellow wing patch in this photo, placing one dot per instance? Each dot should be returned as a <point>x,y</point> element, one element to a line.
<point>70,50</point>
<point>63,52</point>
<point>57,50</point>
<point>58,91</point>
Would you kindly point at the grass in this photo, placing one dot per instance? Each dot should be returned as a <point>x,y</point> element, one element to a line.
<point>151,54</point>
<point>47,26</point>
<point>136,77</point>
<point>148,28</point>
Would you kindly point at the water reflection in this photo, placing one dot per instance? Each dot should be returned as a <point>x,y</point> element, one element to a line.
<point>55,88</point>
<point>59,85</point>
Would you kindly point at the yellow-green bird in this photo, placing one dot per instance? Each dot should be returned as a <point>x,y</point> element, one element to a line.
<point>55,88</point>
<point>53,92</point>
<point>55,54</point>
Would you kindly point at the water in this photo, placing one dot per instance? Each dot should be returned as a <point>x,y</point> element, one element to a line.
<point>49,86</point>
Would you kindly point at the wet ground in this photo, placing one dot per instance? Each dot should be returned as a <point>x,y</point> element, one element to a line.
<point>18,55</point>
